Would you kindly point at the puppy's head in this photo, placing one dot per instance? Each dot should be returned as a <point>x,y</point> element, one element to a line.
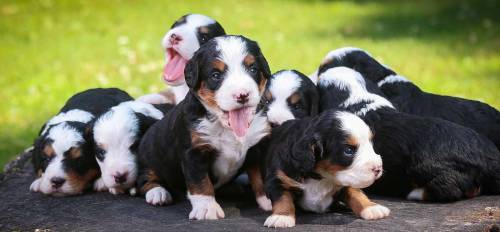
<point>117,135</point>
<point>185,36</point>
<point>63,160</point>
<point>290,95</point>
<point>357,59</point>
<point>339,147</point>
<point>228,75</point>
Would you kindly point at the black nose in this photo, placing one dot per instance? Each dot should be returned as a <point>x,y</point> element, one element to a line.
<point>377,170</point>
<point>57,182</point>
<point>120,178</point>
<point>174,39</point>
<point>242,98</point>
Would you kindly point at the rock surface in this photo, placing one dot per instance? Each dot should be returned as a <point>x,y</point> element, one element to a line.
<point>23,210</point>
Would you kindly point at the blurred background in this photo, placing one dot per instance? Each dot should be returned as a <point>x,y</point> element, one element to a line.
<point>50,50</point>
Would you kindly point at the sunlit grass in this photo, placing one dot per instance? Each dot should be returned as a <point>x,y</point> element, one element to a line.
<point>51,49</point>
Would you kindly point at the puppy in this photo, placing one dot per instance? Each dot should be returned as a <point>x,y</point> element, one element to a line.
<point>117,134</point>
<point>62,157</point>
<point>316,160</point>
<point>425,158</point>
<point>289,95</point>
<point>202,142</point>
<point>185,36</point>
<point>408,98</point>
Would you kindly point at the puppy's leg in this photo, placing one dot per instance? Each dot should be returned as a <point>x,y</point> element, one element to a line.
<point>255,178</point>
<point>450,186</point>
<point>201,194</point>
<point>363,207</point>
<point>155,193</point>
<point>277,186</point>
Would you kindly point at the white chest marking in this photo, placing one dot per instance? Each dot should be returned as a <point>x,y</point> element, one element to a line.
<point>318,194</point>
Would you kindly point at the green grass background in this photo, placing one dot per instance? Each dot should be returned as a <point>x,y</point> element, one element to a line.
<point>49,50</point>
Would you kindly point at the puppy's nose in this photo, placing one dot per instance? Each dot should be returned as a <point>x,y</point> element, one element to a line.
<point>242,98</point>
<point>120,178</point>
<point>175,39</point>
<point>57,182</point>
<point>377,170</point>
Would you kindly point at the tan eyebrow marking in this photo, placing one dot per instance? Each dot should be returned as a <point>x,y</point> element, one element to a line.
<point>249,60</point>
<point>351,140</point>
<point>219,65</point>
<point>204,29</point>
<point>48,150</point>
<point>294,98</point>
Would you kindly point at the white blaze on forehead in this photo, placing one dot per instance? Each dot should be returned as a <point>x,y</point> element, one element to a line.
<point>348,79</point>
<point>72,115</point>
<point>64,137</point>
<point>355,127</point>
<point>339,53</point>
<point>282,86</point>
<point>392,79</point>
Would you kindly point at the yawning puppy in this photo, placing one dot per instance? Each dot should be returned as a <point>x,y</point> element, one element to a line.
<point>62,155</point>
<point>314,161</point>
<point>117,134</point>
<point>202,142</point>
<point>185,36</point>
<point>409,98</point>
<point>425,158</point>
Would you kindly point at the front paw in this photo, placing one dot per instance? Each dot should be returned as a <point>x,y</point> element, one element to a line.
<point>205,208</point>
<point>35,186</point>
<point>264,203</point>
<point>158,196</point>
<point>116,191</point>
<point>280,221</point>
<point>99,185</point>
<point>375,212</point>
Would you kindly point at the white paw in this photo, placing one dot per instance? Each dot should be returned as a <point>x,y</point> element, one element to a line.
<point>280,221</point>
<point>158,196</point>
<point>132,191</point>
<point>264,203</point>
<point>35,186</point>
<point>205,208</point>
<point>116,191</point>
<point>416,195</point>
<point>375,212</point>
<point>99,185</point>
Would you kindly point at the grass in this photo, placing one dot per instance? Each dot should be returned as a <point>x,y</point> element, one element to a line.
<point>49,50</point>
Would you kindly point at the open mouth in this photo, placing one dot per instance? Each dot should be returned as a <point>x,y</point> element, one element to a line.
<point>239,120</point>
<point>173,72</point>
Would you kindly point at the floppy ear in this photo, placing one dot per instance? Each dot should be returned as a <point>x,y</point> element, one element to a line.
<point>314,102</point>
<point>144,123</point>
<point>264,66</point>
<point>191,72</point>
<point>306,152</point>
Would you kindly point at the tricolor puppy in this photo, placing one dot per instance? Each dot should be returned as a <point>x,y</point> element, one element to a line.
<point>425,158</point>
<point>117,134</point>
<point>317,160</point>
<point>289,95</point>
<point>185,36</point>
<point>202,142</point>
<point>63,157</point>
<point>409,98</point>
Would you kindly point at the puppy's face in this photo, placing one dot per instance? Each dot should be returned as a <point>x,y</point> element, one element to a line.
<point>63,160</point>
<point>185,36</point>
<point>289,95</point>
<point>228,74</point>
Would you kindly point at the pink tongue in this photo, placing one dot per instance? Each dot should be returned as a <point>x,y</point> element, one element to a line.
<point>174,69</point>
<point>239,121</point>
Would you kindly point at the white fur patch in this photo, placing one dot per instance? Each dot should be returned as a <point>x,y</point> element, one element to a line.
<point>158,196</point>
<point>35,186</point>
<point>282,86</point>
<point>392,79</point>
<point>416,195</point>
<point>280,221</point>
<point>360,173</point>
<point>264,203</point>
<point>339,53</point>
<point>180,92</point>
<point>153,98</point>
<point>69,116</point>
<point>99,185</point>
<point>314,77</point>
<point>205,208</point>
<point>348,79</point>
<point>375,212</point>
<point>318,194</point>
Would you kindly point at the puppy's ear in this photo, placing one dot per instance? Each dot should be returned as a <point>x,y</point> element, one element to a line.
<point>314,102</point>
<point>191,72</point>
<point>306,152</point>
<point>264,66</point>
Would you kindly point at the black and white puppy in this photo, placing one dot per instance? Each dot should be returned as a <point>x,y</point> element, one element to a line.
<point>117,134</point>
<point>425,158</point>
<point>289,95</point>
<point>202,142</point>
<point>184,38</point>
<point>62,156</point>
<point>316,160</point>
<point>409,98</point>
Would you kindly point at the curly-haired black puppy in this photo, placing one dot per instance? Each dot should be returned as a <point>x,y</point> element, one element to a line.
<point>63,157</point>
<point>425,158</point>
<point>202,142</point>
<point>409,98</point>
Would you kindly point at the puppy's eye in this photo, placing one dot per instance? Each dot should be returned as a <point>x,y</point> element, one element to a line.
<point>349,151</point>
<point>253,70</point>
<point>297,106</point>
<point>216,75</point>
<point>99,154</point>
<point>204,38</point>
